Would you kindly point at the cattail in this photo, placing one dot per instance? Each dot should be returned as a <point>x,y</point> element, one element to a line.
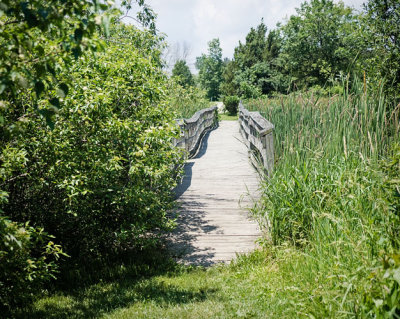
<point>370,143</point>
<point>365,84</point>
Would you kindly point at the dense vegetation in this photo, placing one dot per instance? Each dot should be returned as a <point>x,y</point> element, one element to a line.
<point>210,68</point>
<point>317,46</point>
<point>87,164</point>
<point>335,200</point>
<point>185,101</point>
<point>182,74</point>
<point>86,150</point>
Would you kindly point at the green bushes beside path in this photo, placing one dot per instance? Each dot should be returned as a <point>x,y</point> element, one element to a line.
<point>99,176</point>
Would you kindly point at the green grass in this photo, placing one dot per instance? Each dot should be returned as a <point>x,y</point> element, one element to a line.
<point>273,283</point>
<point>227,117</point>
<point>330,197</point>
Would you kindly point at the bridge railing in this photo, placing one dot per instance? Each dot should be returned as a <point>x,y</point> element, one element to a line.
<point>258,136</point>
<point>193,129</point>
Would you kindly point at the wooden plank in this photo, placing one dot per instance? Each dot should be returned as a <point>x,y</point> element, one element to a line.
<point>219,187</point>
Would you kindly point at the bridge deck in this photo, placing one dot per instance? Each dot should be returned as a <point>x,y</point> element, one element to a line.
<point>214,197</point>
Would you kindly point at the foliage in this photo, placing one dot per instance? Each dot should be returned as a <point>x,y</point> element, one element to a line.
<point>254,70</point>
<point>330,196</point>
<point>182,74</point>
<point>210,68</point>
<point>231,104</point>
<point>382,296</point>
<point>381,29</point>
<point>104,173</point>
<point>186,101</point>
<point>27,260</point>
<point>338,273</point>
<point>253,51</point>
<point>37,39</point>
<point>228,86</point>
<point>314,49</point>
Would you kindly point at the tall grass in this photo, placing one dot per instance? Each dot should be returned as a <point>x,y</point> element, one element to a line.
<point>329,196</point>
<point>307,125</point>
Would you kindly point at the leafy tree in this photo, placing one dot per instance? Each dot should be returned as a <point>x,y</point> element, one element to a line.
<point>253,70</point>
<point>210,68</point>
<point>382,41</point>
<point>38,39</point>
<point>231,104</point>
<point>313,47</point>
<point>103,175</point>
<point>253,50</point>
<point>228,85</point>
<point>182,74</point>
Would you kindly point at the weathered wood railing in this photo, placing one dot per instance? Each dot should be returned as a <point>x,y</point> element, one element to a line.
<point>258,135</point>
<point>193,129</point>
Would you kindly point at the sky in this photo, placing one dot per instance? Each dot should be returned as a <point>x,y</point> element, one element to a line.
<point>191,24</point>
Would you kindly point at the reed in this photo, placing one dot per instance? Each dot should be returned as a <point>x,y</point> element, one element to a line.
<point>328,196</point>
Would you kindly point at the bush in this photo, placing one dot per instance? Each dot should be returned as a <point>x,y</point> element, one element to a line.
<point>231,104</point>
<point>101,180</point>
<point>27,261</point>
<point>186,101</point>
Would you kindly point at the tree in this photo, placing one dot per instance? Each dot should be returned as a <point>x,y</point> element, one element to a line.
<point>228,85</point>
<point>313,46</point>
<point>382,37</point>
<point>182,74</point>
<point>210,68</point>
<point>253,69</point>
<point>253,50</point>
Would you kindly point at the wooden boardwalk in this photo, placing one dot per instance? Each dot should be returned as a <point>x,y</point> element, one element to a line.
<point>214,197</point>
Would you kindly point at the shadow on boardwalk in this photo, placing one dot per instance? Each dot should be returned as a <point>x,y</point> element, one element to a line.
<point>187,178</point>
<point>192,224</point>
<point>212,226</point>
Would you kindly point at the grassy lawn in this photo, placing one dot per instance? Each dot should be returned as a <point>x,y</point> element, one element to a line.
<point>255,286</point>
<point>227,117</point>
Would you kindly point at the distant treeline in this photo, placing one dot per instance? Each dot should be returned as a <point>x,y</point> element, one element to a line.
<point>316,48</point>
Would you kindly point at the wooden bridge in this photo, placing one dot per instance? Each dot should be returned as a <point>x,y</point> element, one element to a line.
<point>220,185</point>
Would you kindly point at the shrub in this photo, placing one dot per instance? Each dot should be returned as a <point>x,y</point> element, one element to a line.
<point>101,180</point>
<point>231,104</point>
<point>27,261</point>
<point>186,101</point>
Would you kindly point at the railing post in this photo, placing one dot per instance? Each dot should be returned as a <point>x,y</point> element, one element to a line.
<point>258,135</point>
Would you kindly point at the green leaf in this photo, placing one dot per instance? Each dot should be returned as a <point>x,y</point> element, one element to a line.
<point>62,90</point>
<point>396,275</point>
<point>48,114</point>
<point>106,26</point>
<point>40,69</point>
